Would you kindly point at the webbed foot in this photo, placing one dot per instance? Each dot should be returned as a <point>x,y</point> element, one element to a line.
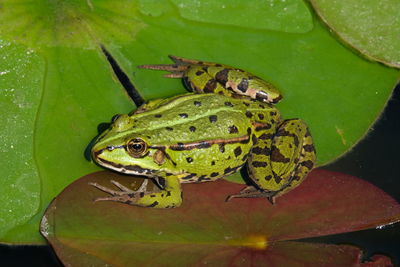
<point>124,195</point>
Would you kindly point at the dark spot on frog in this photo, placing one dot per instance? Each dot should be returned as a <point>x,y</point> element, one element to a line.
<point>197,103</point>
<point>203,178</point>
<point>263,127</point>
<point>152,195</point>
<point>218,65</point>
<point>249,114</point>
<point>249,131</point>
<point>237,151</point>
<point>268,177</point>
<point>233,129</point>
<point>192,129</point>
<point>169,128</point>
<point>229,170</point>
<point>213,118</point>
<point>277,156</point>
<point>254,139</point>
<point>243,85</point>
<point>259,164</point>
<point>183,115</point>
<point>157,116</point>
<point>308,164</point>
<point>168,193</point>
<point>261,106</point>
<point>214,174</point>
<point>155,203</point>
<point>309,148</point>
<point>228,104</point>
<point>212,163</point>
<point>277,179</point>
<point>222,148</point>
<point>246,104</point>
<point>265,136</point>
<point>199,72</point>
<point>189,159</point>
<point>261,151</point>
<point>222,76</point>
<point>272,113</point>
<point>245,141</point>
<point>188,177</point>
<point>210,86</point>
<point>260,116</point>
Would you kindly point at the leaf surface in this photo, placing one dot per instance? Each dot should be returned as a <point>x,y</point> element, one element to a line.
<point>208,229</point>
<point>370,26</point>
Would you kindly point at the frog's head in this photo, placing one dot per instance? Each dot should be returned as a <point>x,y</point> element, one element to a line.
<point>123,149</point>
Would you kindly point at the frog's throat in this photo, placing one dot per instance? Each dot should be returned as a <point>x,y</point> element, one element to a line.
<point>129,169</point>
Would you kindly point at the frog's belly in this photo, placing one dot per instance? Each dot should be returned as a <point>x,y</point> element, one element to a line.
<point>214,162</point>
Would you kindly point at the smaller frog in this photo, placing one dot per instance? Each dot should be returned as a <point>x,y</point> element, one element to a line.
<point>229,121</point>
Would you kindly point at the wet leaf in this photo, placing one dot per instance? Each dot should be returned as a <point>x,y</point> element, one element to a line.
<point>67,87</point>
<point>206,229</point>
<point>370,26</point>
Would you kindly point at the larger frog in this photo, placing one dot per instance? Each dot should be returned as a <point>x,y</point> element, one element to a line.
<point>228,122</point>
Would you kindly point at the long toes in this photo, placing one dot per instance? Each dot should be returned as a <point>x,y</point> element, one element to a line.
<point>249,189</point>
<point>166,67</point>
<point>122,187</point>
<point>123,198</point>
<point>108,190</point>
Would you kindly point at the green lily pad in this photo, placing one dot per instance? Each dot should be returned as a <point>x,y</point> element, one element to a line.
<point>207,229</point>
<point>288,16</point>
<point>72,88</point>
<point>370,26</point>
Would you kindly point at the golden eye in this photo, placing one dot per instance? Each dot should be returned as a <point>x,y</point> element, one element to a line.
<point>136,148</point>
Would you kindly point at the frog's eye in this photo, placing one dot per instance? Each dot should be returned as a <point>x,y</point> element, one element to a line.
<point>136,148</point>
<point>115,117</point>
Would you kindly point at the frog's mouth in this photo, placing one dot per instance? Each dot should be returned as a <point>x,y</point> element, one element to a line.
<point>128,169</point>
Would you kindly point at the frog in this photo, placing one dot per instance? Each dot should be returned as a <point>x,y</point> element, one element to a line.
<point>226,123</point>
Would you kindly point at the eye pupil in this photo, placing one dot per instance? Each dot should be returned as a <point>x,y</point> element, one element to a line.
<point>137,146</point>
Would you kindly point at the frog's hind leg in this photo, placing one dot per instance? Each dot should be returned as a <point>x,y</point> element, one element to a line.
<point>169,197</point>
<point>278,164</point>
<point>208,77</point>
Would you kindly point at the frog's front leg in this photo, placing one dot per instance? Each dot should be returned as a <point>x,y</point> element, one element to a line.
<point>208,77</point>
<point>169,197</point>
<point>277,165</point>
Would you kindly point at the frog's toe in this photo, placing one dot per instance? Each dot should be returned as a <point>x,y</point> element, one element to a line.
<point>106,189</point>
<point>249,189</point>
<point>253,192</point>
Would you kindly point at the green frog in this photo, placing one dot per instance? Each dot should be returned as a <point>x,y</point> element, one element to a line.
<point>227,122</point>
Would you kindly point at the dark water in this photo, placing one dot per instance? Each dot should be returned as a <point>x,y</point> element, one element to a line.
<point>375,159</point>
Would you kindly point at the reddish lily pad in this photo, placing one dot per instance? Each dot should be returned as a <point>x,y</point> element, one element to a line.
<point>208,230</point>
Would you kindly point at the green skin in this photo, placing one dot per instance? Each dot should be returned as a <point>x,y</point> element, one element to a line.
<point>203,136</point>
